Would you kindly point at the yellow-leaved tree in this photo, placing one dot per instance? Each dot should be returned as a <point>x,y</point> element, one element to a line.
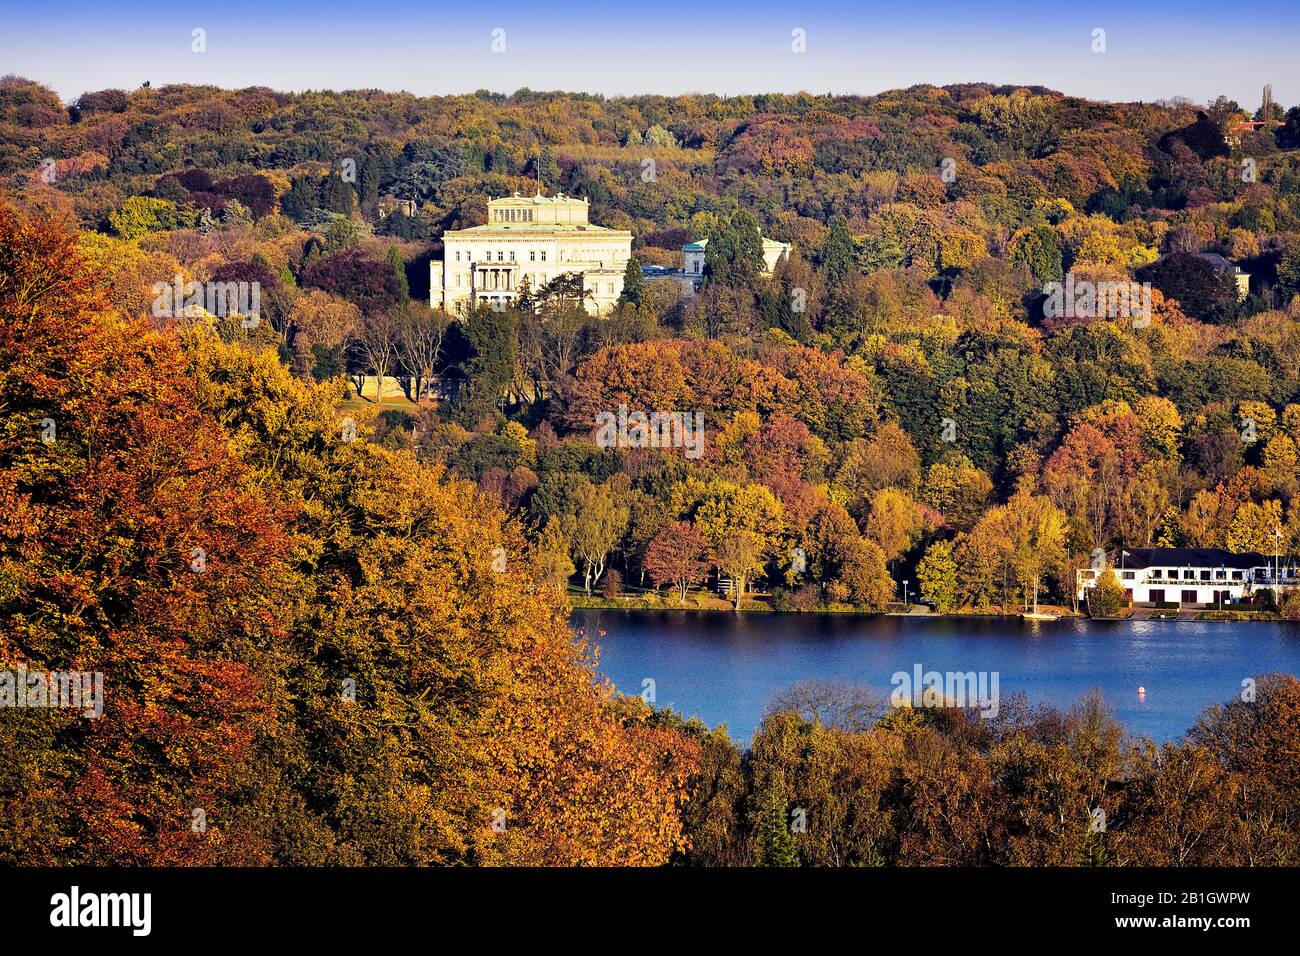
<point>314,650</point>
<point>444,711</point>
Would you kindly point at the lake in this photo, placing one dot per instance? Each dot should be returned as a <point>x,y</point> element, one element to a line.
<point>724,668</point>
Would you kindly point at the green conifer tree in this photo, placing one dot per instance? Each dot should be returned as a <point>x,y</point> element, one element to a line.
<point>775,841</point>
<point>838,252</point>
<point>395,262</point>
<point>633,282</point>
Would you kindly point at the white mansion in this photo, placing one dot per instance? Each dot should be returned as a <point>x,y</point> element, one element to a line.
<point>537,238</point>
<point>1192,576</point>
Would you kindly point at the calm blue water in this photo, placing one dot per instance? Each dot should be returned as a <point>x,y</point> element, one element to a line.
<point>724,668</point>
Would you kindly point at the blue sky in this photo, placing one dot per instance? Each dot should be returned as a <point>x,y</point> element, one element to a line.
<point>1154,49</point>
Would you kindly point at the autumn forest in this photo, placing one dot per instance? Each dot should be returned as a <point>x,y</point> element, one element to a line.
<point>333,623</point>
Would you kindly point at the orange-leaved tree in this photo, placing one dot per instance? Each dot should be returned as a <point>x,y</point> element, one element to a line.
<point>314,650</point>
<point>130,547</point>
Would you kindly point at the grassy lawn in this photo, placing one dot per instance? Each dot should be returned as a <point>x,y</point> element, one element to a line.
<point>1214,615</point>
<point>664,600</point>
<point>393,396</point>
<point>390,401</point>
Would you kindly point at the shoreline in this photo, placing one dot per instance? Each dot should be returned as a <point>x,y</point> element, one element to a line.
<point>581,602</point>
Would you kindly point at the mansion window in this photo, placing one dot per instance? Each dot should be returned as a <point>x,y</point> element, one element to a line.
<point>1188,574</point>
<point>543,255</point>
<point>532,255</point>
<point>512,215</point>
<point>1128,575</point>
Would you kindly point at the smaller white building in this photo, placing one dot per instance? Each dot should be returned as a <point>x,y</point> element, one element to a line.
<point>1191,577</point>
<point>691,274</point>
<point>693,256</point>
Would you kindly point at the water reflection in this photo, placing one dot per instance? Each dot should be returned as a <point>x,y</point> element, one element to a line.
<point>724,668</point>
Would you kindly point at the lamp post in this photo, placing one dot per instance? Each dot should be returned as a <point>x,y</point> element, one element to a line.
<point>906,605</point>
<point>1277,540</point>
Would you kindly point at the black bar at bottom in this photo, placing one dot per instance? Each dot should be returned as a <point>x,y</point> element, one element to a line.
<point>948,906</point>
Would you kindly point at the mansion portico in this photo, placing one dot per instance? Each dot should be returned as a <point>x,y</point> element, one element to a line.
<point>537,238</point>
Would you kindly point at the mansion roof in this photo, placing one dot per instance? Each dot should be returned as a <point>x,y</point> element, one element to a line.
<point>535,217</point>
<point>524,229</point>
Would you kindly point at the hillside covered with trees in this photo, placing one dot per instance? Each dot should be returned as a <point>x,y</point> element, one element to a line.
<point>895,402</point>
<point>338,627</point>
